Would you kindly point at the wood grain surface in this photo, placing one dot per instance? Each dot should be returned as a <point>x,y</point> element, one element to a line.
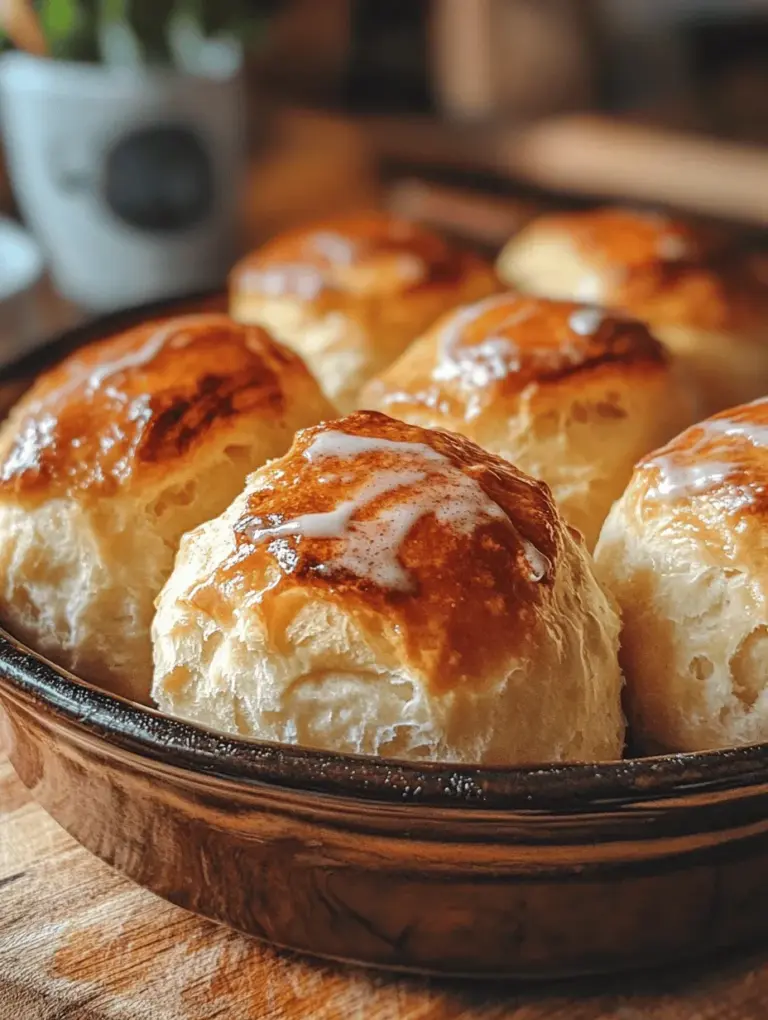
<point>79,942</point>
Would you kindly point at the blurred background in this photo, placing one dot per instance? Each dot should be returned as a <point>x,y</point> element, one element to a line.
<point>146,143</point>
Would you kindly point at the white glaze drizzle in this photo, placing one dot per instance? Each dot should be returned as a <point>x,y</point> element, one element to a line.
<point>338,250</point>
<point>536,560</point>
<point>497,356</point>
<point>332,443</point>
<point>430,397</point>
<point>36,433</point>
<point>298,279</point>
<point>39,428</point>
<point>586,321</point>
<point>492,359</point>
<point>369,548</point>
<point>306,280</point>
<point>94,378</point>
<point>479,364</point>
<point>686,473</point>
<point>148,351</point>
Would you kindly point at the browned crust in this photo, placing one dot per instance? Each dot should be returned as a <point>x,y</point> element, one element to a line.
<point>532,341</point>
<point>618,237</point>
<point>731,470</point>
<point>462,586</point>
<point>140,401</point>
<point>355,241</point>
<point>665,270</point>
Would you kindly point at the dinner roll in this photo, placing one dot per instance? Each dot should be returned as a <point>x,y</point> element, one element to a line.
<point>685,551</point>
<point>110,457</point>
<point>390,590</point>
<point>349,295</point>
<point>699,298</point>
<point>567,393</point>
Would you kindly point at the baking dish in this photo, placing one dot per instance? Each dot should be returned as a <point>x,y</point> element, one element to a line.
<point>537,872</point>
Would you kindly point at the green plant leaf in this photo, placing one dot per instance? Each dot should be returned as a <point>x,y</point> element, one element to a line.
<point>59,19</point>
<point>132,31</point>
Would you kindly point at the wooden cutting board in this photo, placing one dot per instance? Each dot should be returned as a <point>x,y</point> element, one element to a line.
<point>79,942</point>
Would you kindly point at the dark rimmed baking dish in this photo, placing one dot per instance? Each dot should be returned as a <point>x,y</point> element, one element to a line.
<point>455,870</point>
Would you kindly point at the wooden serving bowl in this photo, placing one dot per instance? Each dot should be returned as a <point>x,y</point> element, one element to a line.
<point>526,872</point>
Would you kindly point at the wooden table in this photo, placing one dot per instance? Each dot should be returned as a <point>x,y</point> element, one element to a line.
<point>79,942</point>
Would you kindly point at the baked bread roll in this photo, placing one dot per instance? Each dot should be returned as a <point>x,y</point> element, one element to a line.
<point>685,551</point>
<point>350,295</point>
<point>110,457</point>
<point>699,298</point>
<point>569,394</point>
<point>389,590</point>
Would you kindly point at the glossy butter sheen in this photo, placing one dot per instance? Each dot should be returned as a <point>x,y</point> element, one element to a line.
<point>132,403</point>
<point>661,269</point>
<point>424,527</point>
<point>499,346</point>
<point>365,255</point>
<point>367,859</point>
<point>723,457</point>
<point>421,482</point>
<point>623,238</point>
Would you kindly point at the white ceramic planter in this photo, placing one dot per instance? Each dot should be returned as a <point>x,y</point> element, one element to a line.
<point>21,281</point>
<point>130,180</point>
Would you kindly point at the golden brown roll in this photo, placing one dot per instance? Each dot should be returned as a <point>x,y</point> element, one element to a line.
<point>685,551</point>
<point>110,457</point>
<point>386,589</point>
<point>700,298</point>
<point>350,295</point>
<point>568,393</point>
